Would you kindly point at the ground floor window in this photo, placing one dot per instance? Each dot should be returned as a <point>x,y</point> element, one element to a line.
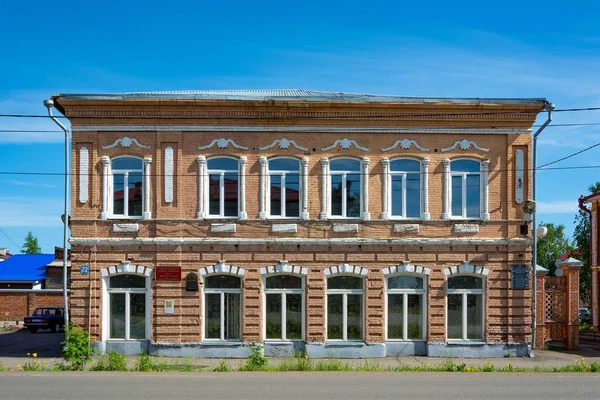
<point>284,303</point>
<point>405,308</point>
<point>223,307</point>
<point>344,308</point>
<point>127,307</point>
<point>465,308</point>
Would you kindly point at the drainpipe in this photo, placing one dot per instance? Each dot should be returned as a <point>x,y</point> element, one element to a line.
<point>49,104</point>
<point>549,108</point>
<point>586,210</point>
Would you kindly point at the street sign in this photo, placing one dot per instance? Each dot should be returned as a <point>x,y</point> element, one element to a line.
<point>84,270</point>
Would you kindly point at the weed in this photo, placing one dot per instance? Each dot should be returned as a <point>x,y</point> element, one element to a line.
<point>256,361</point>
<point>76,347</point>
<point>223,366</point>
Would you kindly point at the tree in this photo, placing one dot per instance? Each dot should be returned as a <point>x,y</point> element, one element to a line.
<point>552,246</point>
<point>31,245</point>
<point>581,239</point>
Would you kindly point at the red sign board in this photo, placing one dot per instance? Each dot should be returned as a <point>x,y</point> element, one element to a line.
<point>170,274</point>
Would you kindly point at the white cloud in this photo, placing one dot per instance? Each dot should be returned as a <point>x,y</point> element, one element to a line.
<point>27,183</point>
<point>30,212</point>
<point>557,207</point>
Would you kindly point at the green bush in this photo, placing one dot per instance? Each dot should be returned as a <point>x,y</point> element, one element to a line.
<point>256,361</point>
<point>76,347</point>
<point>144,363</point>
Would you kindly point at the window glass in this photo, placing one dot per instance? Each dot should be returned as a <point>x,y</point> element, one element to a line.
<point>405,165</point>
<point>223,282</point>
<point>336,195</point>
<point>465,282</point>
<point>335,316</point>
<point>292,195</point>
<point>284,164</point>
<point>473,196</point>
<point>344,282</point>
<point>231,194</point>
<point>395,316</point>
<point>465,166</point>
<point>474,316</point>
<point>232,315</point>
<point>119,194</point>
<point>457,195</point>
<point>415,316</point>
<point>354,323</point>
<point>126,163</point>
<point>283,282</point>
<point>344,164</point>
<point>293,316</point>
<point>275,194</point>
<point>413,196</point>
<point>117,315</point>
<point>454,316</point>
<point>273,312</point>
<point>127,281</point>
<point>214,197</point>
<point>135,193</point>
<point>222,163</point>
<point>397,205</point>
<point>353,195</point>
<point>137,315</point>
<point>213,316</point>
<point>405,282</point>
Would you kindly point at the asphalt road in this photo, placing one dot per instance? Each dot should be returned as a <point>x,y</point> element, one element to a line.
<point>17,344</point>
<point>299,385</point>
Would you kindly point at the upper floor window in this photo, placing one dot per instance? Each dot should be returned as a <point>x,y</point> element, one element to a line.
<point>405,184</point>
<point>223,187</point>
<point>223,307</point>
<point>405,307</point>
<point>344,308</point>
<point>284,304</point>
<point>345,188</point>
<point>127,187</point>
<point>465,194</point>
<point>465,307</point>
<point>284,188</point>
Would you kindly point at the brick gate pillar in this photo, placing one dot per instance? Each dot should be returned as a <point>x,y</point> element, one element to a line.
<point>571,268</point>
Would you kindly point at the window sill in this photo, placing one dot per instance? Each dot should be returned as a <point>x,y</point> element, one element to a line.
<point>346,343</point>
<point>459,342</point>
<point>217,218</point>
<point>404,341</point>
<point>217,342</point>
<point>127,340</point>
<point>281,341</point>
<point>465,219</point>
<point>122,217</point>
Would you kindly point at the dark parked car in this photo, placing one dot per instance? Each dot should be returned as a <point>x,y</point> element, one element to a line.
<point>46,318</point>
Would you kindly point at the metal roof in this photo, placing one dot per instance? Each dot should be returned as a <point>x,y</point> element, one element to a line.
<point>25,267</point>
<point>293,94</point>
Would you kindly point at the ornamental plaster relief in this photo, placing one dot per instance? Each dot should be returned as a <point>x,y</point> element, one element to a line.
<point>464,145</point>
<point>405,144</point>
<point>223,143</point>
<point>126,142</point>
<point>345,144</point>
<point>284,144</point>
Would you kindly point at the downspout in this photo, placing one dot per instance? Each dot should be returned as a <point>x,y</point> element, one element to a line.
<point>49,104</point>
<point>586,210</point>
<point>549,108</point>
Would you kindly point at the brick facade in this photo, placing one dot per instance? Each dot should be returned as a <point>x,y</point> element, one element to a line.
<point>174,236</point>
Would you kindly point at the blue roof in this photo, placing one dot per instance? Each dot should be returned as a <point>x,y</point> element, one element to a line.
<point>25,267</point>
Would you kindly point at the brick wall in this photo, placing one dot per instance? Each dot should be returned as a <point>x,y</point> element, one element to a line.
<point>16,305</point>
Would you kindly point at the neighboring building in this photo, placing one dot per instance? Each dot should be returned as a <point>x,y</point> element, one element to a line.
<point>4,254</point>
<point>24,271</point>
<point>340,224</point>
<point>594,212</point>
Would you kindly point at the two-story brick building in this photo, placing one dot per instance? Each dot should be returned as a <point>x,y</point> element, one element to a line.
<point>339,224</point>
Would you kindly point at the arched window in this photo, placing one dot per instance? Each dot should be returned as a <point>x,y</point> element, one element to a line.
<point>345,188</point>
<point>284,188</point>
<point>127,307</point>
<point>465,193</point>
<point>127,187</point>
<point>405,185</point>
<point>344,308</point>
<point>284,306</point>
<point>223,187</point>
<point>406,307</point>
<point>465,308</point>
<point>222,307</point>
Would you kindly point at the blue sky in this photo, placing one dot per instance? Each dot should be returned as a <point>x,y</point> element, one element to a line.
<point>445,49</point>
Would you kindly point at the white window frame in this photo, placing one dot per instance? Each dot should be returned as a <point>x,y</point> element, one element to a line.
<point>403,174</point>
<point>283,174</point>
<point>345,293</point>
<point>222,173</point>
<point>111,189</point>
<point>107,290</point>
<point>283,293</point>
<point>344,194</point>
<point>464,175</point>
<point>221,292</point>
<point>405,293</point>
<point>464,293</point>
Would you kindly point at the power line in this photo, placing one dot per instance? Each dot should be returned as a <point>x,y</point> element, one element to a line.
<point>13,242</point>
<point>569,156</point>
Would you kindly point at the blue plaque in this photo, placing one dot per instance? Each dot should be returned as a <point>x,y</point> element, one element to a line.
<point>84,270</point>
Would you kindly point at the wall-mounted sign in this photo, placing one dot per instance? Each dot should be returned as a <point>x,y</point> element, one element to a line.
<point>169,274</point>
<point>191,282</point>
<point>84,269</point>
<point>169,306</point>
<point>519,276</point>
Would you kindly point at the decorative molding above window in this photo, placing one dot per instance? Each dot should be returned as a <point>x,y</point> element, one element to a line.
<point>405,144</point>
<point>222,268</point>
<point>406,267</point>
<point>464,144</point>
<point>126,142</point>
<point>126,268</point>
<point>283,144</point>
<point>222,143</point>
<point>345,144</point>
<point>346,270</point>
<point>284,267</point>
<point>466,268</point>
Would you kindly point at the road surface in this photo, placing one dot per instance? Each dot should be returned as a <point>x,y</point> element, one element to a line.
<point>299,385</point>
